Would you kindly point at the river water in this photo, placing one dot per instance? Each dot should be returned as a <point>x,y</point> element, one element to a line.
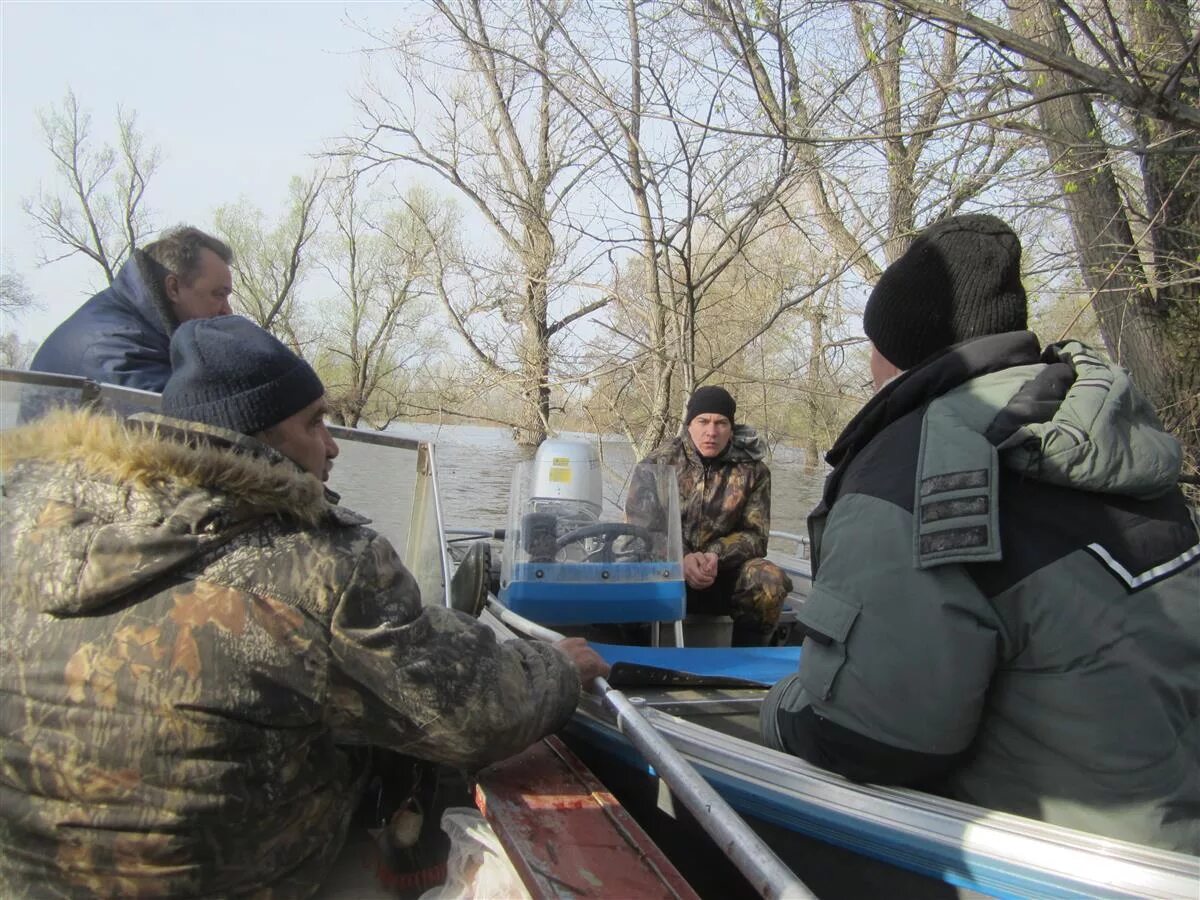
<point>475,467</point>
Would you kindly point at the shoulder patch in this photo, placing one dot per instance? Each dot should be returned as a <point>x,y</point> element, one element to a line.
<point>956,519</point>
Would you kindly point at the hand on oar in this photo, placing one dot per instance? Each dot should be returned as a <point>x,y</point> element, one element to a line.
<point>588,663</point>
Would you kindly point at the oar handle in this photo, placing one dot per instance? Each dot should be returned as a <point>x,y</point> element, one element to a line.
<point>754,859</point>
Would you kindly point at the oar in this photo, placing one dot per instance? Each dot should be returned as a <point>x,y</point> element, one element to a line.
<point>754,859</point>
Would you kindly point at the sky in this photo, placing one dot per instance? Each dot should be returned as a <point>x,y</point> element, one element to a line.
<point>238,96</point>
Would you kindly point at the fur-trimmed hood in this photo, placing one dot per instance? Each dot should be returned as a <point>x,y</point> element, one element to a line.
<point>100,506</point>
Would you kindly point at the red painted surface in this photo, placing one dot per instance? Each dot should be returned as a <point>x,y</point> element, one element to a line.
<point>566,835</point>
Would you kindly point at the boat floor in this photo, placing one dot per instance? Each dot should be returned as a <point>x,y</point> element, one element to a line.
<point>731,711</point>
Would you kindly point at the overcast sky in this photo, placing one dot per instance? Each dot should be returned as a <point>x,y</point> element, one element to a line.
<point>237,95</point>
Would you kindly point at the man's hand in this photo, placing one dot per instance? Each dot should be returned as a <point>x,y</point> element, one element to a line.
<point>588,663</point>
<point>700,570</point>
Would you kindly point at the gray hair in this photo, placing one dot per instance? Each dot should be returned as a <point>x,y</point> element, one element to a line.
<point>177,250</point>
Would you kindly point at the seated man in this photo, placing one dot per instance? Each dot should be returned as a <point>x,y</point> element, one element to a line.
<point>122,335</point>
<point>199,644</point>
<point>725,504</point>
<point>1006,602</point>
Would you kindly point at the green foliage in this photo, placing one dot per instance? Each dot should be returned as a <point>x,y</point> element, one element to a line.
<point>271,259</point>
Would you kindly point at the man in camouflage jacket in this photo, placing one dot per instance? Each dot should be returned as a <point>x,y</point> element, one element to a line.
<point>199,645</point>
<point>725,505</point>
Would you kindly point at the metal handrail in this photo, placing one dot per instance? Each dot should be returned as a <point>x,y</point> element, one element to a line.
<point>380,438</point>
<point>45,379</point>
<point>800,540</point>
<point>427,456</point>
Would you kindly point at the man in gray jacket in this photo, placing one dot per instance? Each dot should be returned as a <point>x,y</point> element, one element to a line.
<point>1006,597</point>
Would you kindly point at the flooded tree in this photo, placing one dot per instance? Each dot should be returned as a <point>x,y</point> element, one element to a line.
<point>374,332</point>
<point>814,140</point>
<point>1116,88</point>
<point>270,260</point>
<point>99,209</point>
<point>471,105</point>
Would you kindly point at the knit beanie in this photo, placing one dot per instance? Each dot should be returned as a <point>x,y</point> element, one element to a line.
<point>710,399</point>
<point>960,279</point>
<point>228,372</point>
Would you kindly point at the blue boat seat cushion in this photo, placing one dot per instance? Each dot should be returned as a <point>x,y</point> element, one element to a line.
<point>746,665</point>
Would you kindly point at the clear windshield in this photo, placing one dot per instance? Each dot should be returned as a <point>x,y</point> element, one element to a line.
<point>543,530</point>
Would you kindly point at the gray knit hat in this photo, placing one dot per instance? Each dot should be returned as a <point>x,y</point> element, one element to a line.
<point>960,279</point>
<point>228,372</point>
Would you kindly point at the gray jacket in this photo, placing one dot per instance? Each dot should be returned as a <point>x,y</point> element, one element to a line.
<point>1006,605</point>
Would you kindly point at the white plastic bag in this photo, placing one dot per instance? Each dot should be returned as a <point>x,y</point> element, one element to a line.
<point>478,867</point>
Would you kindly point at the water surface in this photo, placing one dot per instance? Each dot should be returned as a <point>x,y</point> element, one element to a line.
<point>475,467</point>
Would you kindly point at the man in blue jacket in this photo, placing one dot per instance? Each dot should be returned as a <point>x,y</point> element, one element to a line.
<point>122,335</point>
<point>1006,596</point>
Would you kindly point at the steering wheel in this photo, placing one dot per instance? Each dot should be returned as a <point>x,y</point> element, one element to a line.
<point>610,531</point>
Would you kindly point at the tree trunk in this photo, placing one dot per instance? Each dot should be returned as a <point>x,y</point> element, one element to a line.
<point>1171,177</point>
<point>814,380</point>
<point>534,417</point>
<point>1146,331</point>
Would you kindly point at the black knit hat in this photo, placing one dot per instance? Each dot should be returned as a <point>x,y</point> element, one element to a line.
<point>228,372</point>
<point>960,279</point>
<point>710,399</point>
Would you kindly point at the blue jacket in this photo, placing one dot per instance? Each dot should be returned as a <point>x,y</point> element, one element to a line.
<point>120,336</point>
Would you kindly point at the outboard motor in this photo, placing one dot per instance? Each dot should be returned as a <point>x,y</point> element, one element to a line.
<point>565,495</point>
<point>563,564</point>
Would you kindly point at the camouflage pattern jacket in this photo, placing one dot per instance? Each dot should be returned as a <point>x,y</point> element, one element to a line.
<point>197,644</point>
<point>724,502</point>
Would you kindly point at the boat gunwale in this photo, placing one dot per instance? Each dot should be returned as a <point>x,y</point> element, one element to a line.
<point>936,835</point>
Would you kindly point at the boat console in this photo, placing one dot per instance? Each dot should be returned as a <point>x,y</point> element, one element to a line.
<point>565,563</point>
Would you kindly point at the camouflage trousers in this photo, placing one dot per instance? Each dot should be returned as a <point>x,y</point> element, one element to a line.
<point>752,596</point>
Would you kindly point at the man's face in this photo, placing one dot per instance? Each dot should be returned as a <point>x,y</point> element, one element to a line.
<point>882,371</point>
<point>710,433</point>
<point>208,293</point>
<point>303,438</point>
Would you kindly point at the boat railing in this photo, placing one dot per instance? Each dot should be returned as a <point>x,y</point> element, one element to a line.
<point>798,543</point>
<point>24,395</point>
<point>794,559</point>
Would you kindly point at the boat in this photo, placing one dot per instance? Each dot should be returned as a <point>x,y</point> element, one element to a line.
<point>837,837</point>
<point>840,838</point>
